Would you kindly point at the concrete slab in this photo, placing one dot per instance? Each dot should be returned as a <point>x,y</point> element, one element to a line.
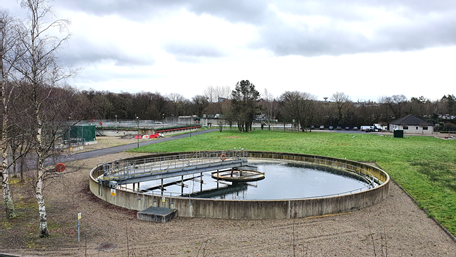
<point>157,214</point>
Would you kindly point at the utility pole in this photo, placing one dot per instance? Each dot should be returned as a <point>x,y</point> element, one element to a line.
<point>137,119</point>
<point>116,122</point>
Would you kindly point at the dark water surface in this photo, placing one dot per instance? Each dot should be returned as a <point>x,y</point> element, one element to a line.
<point>283,180</point>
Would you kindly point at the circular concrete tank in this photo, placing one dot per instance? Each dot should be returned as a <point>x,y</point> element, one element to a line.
<point>255,209</point>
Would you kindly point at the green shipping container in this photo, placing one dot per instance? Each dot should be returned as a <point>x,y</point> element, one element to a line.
<point>87,132</point>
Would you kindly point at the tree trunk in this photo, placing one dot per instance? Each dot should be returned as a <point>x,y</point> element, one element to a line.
<point>22,168</point>
<point>13,153</point>
<point>40,199</point>
<point>7,198</point>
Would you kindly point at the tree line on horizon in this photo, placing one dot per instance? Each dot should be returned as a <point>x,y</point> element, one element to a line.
<point>302,107</point>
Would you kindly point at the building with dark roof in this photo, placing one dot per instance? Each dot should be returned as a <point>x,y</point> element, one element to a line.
<point>412,125</point>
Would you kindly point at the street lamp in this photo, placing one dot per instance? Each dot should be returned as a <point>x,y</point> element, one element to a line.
<point>116,122</point>
<point>163,119</point>
<point>137,119</point>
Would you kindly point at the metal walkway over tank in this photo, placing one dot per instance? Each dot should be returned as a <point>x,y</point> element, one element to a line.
<point>134,171</point>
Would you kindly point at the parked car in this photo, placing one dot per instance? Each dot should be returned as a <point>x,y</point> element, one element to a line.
<point>331,127</point>
<point>338,127</point>
<point>347,128</point>
<point>355,128</point>
<point>322,127</point>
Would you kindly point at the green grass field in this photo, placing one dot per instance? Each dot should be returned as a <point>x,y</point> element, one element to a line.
<point>424,166</point>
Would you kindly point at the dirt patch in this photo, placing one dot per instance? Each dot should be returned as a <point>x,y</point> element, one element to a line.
<point>233,137</point>
<point>394,227</point>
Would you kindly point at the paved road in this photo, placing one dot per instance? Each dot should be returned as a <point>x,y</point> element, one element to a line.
<point>121,148</point>
<point>347,131</point>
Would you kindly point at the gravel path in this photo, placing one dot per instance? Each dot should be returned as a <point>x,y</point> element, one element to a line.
<point>395,227</point>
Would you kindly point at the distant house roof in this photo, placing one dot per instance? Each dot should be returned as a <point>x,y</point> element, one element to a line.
<point>411,121</point>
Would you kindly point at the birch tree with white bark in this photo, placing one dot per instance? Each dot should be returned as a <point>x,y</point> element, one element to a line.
<point>37,75</point>
<point>9,55</point>
<point>7,197</point>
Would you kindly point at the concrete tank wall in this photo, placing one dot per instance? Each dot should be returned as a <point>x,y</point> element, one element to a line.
<point>253,209</point>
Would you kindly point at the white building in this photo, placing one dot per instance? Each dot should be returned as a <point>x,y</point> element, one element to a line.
<point>412,125</point>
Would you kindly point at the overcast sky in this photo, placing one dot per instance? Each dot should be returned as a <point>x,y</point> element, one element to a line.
<point>363,48</point>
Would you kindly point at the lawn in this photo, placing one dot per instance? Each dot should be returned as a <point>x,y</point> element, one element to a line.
<point>424,166</point>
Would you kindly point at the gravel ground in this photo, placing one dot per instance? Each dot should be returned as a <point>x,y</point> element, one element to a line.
<point>105,142</point>
<point>395,227</point>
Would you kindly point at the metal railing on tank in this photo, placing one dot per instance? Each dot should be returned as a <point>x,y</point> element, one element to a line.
<point>123,169</point>
<point>363,173</point>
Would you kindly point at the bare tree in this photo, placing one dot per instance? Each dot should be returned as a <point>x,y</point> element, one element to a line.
<point>213,93</point>
<point>210,94</point>
<point>10,55</point>
<point>176,102</point>
<point>395,104</point>
<point>341,100</point>
<point>7,198</point>
<point>37,74</point>
<point>200,103</point>
<point>223,92</point>
<point>267,106</point>
<point>298,106</point>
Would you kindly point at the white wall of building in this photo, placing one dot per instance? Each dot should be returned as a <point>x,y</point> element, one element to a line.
<point>413,129</point>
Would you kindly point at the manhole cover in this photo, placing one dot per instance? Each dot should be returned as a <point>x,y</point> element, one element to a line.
<point>106,247</point>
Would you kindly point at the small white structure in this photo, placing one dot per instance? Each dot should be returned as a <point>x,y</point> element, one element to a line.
<point>412,125</point>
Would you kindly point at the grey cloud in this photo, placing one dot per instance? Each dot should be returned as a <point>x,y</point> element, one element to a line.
<point>251,11</point>
<point>353,8</point>
<point>427,33</point>
<point>429,24</point>
<point>421,30</point>
<point>140,10</point>
<point>84,53</point>
<point>288,41</point>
